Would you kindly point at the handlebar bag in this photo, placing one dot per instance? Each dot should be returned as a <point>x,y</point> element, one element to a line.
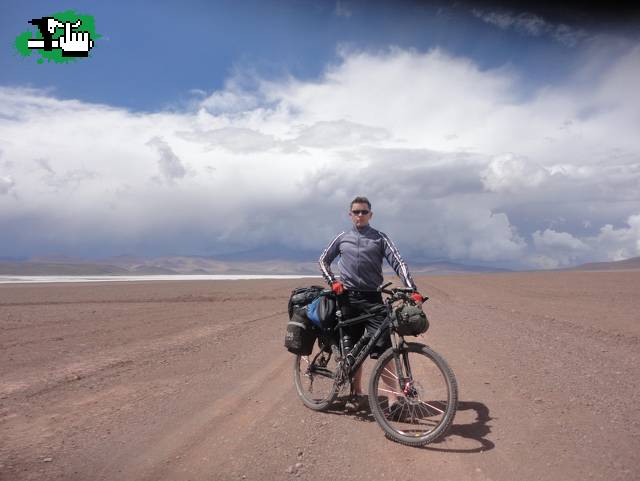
<point>411,320</point>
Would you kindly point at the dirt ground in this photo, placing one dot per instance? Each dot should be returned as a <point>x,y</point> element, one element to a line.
<point>189,380</point>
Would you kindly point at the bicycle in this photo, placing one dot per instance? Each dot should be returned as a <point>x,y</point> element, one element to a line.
<point>413,392</point>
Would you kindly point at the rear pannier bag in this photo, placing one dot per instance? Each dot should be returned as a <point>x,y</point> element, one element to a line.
<point>302,296</point>
<point>301,333</point>
<point>322,312</point>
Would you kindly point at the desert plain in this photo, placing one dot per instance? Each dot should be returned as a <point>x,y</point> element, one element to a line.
<point>189,380</point>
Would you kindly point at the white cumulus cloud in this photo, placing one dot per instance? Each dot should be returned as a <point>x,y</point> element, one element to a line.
<point>621,243</point>
<point>507,173</point>
<point>457,161</point>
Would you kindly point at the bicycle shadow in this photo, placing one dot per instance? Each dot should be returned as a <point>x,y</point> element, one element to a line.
<point>477,431</point>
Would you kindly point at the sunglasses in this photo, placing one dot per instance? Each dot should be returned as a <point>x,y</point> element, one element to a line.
<point>359,212</point>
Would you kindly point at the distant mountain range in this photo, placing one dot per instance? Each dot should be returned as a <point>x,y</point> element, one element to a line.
<point>127,265</point>
<point>627,264</point>
<point>130,265</point>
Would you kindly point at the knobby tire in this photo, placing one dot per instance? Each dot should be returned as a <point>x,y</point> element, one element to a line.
<point>424,411</point>
<point>316,382</point>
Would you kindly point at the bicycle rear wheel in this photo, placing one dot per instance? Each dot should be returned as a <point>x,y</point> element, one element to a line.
<point>315,378</point>
<point>422,409</point>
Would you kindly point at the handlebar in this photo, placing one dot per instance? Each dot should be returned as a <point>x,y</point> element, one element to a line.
<point>397,293</point>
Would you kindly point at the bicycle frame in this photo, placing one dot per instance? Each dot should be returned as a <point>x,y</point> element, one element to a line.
<point>365,344</point>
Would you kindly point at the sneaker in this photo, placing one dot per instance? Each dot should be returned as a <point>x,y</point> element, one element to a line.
<point>355,403</point>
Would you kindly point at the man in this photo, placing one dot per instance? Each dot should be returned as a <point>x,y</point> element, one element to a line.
<point>361,251</point>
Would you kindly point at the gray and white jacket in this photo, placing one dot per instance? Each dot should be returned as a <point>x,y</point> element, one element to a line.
<point>361,252</point>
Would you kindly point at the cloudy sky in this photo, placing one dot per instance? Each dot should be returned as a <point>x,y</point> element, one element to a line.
<point>482,133</point>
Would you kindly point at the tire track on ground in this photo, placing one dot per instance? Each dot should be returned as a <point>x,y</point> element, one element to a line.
<point>197,446</point>
<point>178,300</point>
<point>32,385</point>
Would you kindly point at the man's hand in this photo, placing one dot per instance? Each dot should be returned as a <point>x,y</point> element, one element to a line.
<point>337,287</point>
<point>416,296</point>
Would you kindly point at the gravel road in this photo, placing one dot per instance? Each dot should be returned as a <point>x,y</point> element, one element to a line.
<point>189,380</point>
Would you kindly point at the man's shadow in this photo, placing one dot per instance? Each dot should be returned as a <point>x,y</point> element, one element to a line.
<point>478,430</point>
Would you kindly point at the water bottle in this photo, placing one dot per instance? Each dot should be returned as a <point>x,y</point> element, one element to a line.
<point>347,344</point>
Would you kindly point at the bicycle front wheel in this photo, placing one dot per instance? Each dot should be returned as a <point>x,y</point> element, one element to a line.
<point>416,406</point>
<point>315,378</point>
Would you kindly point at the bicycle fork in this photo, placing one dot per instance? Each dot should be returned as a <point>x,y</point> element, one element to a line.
<point>403,369</point>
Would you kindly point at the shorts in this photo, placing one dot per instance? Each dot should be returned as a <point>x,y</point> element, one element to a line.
<point>357,303</point>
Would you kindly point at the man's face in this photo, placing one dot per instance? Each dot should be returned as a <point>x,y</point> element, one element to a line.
<point>360,214</point>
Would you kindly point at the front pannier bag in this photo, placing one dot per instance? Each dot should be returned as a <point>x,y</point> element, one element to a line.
<point>301,333</point>
<point>411,320</point>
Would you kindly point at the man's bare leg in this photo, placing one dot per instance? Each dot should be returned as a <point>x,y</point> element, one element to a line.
<point>357,382</point>
<point>389,381</point>
<point>353,403</point>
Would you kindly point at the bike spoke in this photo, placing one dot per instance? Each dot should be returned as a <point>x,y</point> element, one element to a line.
<point>414,414</point>
<point>397,393</point>
<point>431,406</point>
<point>390,373</point>
<point>315,378</point>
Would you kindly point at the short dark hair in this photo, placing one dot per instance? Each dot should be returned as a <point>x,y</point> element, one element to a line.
<point>360,200</point>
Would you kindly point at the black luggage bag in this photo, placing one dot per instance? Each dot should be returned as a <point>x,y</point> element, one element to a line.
<point>301,333</point>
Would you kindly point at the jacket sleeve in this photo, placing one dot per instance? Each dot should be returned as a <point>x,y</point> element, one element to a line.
<point>396,262</point>
<point>327,257</point>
